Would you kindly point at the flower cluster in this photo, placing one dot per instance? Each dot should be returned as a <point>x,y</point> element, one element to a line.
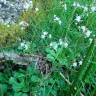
<point>57,19</point>
<point>85,7</point>
<point>36,9</point>
<point>76,4</point>
<point>93,9</point>
<point>76,64</point>
<point>64,5</point>
<point>78,19</point>
<point>24,45</point>
<point>23,24</point>
<point>60,43</point>
<point>45,34</point>
<point>85,31</point>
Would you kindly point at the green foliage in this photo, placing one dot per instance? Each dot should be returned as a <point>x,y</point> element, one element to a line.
<point>85,68</point>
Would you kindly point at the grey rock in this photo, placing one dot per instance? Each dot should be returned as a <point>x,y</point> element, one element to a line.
<point>10,10</point>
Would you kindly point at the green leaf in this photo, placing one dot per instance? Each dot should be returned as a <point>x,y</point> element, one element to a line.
<point>35,79</point>
<point>20,94</point>
<point>50,57</point>
<point>63,61</point>
<point>12,80</point>
<point>50,51</point>
<point>3,88</point>
<point>20,76</point>
<point>1,77</point>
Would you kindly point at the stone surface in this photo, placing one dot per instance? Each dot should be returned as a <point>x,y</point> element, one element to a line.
<point>10,10</point>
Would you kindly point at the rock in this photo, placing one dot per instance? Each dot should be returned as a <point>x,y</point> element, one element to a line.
<point>10,10</point>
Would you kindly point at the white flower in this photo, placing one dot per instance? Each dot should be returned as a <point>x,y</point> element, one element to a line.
<point>88,33</point>
<point>80,62</point>
<point>59,22</point>
<point>90,39</point>
<point>57,19</point>
<point>76,4</point>
<point>74,64</point>
<point>83,28</point>
<point>50,36</point>
<point>65,44</point>
<point>24,45</point>
<point>8,25</point>
<point>85,8</point>
<point>65,7</point>
<point>94,35</point>
<point>93,8</point>
<point>60,41</point>
<point>54,45</point>
<point>51,44</point>
<point>44,35</point>
<point>78,18</point>
<point>36,9</point>
<point>23,23</point>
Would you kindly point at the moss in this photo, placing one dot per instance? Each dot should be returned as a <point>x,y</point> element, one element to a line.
<point>9,34</point>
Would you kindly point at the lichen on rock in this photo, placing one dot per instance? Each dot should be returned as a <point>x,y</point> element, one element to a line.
<point>10,15</point>
<point>10,10</point>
